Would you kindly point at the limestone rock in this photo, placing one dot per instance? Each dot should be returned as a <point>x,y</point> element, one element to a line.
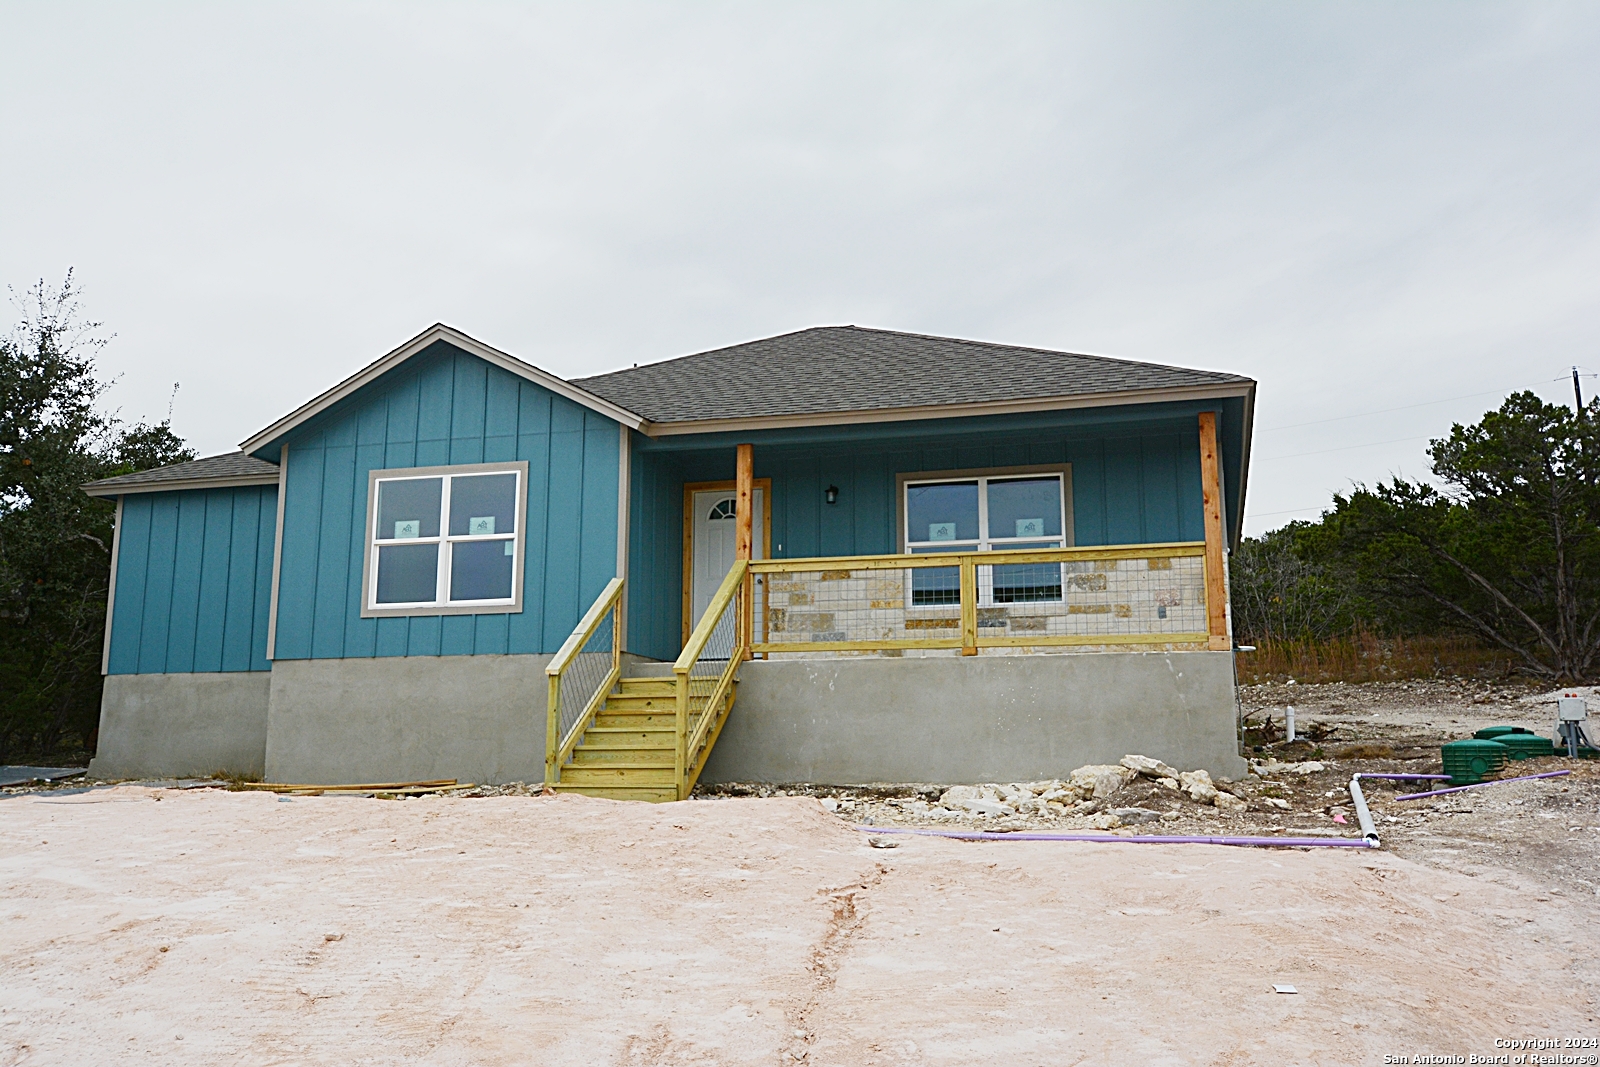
<point>1011,794</point>
<point>957,793</point>
<point>1098,781</point>
<point>1135,816</point>
<point>1150,768</point>
<point>1229,802</point>
<point>1267,770</point>
<point>1167,783</point>
<point>1197,786</point>
<point>1104,821</point>
<point>985,807</point>
<point>1276,802</point>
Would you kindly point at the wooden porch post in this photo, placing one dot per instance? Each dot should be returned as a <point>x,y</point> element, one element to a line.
<point>1211,501</point>
<point>744,516</point>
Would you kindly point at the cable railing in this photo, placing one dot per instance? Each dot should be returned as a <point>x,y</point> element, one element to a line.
<point>1006,601</point>
<point>580,676</point>
<point>705,673</point>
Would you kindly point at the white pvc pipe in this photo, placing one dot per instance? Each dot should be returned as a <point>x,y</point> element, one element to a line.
<point>1289,722</point>
<point>1369,832</point>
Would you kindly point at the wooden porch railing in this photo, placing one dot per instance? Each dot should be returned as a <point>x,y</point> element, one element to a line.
<point>704,676</point>
<point>1153,594</point>
<point>580,676</point>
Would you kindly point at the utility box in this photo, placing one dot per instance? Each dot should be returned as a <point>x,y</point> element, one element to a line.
<point>1571,708</point>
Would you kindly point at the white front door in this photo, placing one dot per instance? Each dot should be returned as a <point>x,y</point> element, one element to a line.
<point>716,543</point>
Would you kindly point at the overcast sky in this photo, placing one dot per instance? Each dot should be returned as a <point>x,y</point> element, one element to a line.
<point>1363,206</point>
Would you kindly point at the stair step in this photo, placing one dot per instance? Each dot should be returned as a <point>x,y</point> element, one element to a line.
<point>631,760</point>
<point>618,774</point>
<point>624,701</point>
<point>647,686</point>
<point>651,793</point>
<point>609,720</point>
<point>648,749</point>
<point>638,737</point>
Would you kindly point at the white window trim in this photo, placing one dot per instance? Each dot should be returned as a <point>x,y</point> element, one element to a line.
<point>370,609</point>
<point>982,543</point>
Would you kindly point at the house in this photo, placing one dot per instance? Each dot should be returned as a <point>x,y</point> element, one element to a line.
<point>837,555</point>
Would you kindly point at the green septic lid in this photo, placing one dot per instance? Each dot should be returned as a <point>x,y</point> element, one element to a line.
<point>1467,762</point>
<point>1527,746</point>
<point>1494,733</point>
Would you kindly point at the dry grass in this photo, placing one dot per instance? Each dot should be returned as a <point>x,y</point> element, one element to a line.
<point>1365,750</point>
<point>1363,656</point>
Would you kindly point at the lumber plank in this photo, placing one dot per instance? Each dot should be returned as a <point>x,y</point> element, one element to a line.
<point>1211,501</point>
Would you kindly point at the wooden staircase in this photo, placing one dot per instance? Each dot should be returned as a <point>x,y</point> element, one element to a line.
<point>628,751</point>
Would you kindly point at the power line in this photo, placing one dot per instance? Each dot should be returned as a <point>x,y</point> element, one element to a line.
<point>1341,448</point>
<point>1405,407</point>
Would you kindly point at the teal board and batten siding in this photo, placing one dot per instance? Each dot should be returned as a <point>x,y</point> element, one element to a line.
<point>1134,481</point>
<point>442,407</point>
<point>194,581</point>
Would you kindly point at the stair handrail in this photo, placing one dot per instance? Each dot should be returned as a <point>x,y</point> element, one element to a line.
<point>557,746</point>
<point>728,597</point>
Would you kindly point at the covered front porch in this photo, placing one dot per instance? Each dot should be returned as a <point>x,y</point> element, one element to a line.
<point>939,661</point>
<point>1086,491</point>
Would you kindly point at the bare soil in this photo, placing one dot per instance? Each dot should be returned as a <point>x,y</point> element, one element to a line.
<point>174,926</point>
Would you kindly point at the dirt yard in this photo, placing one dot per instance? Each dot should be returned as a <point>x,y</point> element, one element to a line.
<point>198,926</point>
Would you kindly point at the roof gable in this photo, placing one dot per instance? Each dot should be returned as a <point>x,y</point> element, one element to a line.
<point>846,373</point>
<point>435,333</point>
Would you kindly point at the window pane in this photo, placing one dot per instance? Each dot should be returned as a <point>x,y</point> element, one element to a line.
<point>481,570</point>
<point>1019,583</point>
<point>408,574</point>
<point>1025,507</point>
<point>947,512</point>
<point>937,585</point>
<point>409,508</point>
<point>483,504</point>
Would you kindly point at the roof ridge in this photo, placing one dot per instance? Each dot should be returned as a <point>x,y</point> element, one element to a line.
<point>1120,361</point>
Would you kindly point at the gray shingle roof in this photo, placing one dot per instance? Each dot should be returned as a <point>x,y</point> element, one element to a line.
<point>232,468</point>
<point>837,369</point>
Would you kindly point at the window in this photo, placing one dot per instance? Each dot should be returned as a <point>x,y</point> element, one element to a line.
<point>984,513</point>
<point>445,540</point>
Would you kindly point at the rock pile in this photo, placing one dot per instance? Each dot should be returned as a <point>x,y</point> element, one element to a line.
<point>1085,793</point>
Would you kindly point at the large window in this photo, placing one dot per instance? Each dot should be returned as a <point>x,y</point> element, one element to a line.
<point>445,540</point>
<point>984,513</point>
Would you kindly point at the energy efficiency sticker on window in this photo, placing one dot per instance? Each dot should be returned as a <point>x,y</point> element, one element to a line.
<point>941,531</point>
<point>480,524</point>
<point>405,529</point>
<point>1030,527</point>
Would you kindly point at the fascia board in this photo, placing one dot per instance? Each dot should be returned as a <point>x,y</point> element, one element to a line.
<point>172,486</point>
<point>1244,463</point>
<point>940,411</point>
<point>440,332</point>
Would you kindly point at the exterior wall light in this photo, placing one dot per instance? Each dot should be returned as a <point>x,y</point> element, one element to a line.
<point>831,494</point>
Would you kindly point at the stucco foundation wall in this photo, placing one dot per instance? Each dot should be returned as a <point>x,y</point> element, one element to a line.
<point>158,725</point>
<point>387,719</point>
<point>977,719</point>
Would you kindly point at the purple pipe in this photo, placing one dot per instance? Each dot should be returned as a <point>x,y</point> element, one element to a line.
<point>1258,842</point>
<point>1480,785</point>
